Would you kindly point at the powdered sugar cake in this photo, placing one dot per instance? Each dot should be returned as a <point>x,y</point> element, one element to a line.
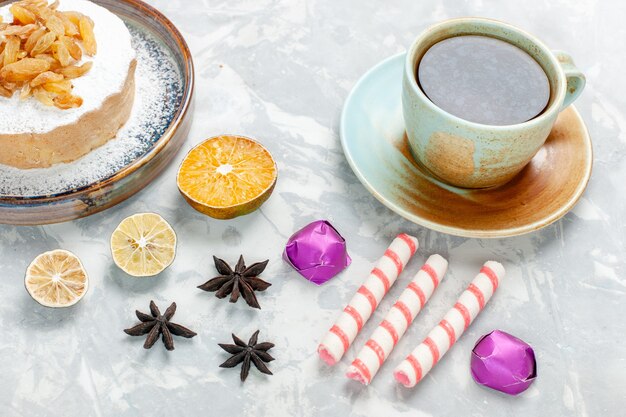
<point>159,91</point>
<point>33,135</point>
<point>158,125</point>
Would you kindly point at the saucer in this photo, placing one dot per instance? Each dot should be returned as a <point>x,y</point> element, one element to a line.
<point>377,149</point>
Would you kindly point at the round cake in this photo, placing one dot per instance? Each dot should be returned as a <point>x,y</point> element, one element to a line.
<point>36,135</point>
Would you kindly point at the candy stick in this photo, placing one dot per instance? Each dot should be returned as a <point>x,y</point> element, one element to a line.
<point>392,328</point>
<point>358,311</point>
<point>454,323</point>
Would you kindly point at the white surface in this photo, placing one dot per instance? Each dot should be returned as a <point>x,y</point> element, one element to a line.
<point>106,77</point>
<point>279,70</point>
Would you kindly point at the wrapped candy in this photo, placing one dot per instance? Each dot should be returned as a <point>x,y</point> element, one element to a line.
<point>317,251</point>
<point>503,362</point>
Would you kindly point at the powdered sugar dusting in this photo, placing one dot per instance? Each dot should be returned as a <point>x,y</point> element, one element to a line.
<point>106,77</point>
<point>158,95</point>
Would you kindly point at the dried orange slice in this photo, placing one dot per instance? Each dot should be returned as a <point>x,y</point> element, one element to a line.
<point>143,245</point>
<point>56,279</point>
<point>227,176</point>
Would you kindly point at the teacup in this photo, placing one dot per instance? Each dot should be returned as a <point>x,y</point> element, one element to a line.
<point>472,155</point>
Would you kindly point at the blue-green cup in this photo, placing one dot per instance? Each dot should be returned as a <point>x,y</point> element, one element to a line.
<point>472,155</point>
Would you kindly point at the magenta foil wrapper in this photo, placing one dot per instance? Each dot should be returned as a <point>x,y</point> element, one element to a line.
<point>503,362</point>
<point>317,251</point>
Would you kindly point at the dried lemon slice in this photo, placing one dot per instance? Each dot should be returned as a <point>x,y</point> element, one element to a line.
<point>143,245</point>
<point>227,176</point>
<point>56,279</point>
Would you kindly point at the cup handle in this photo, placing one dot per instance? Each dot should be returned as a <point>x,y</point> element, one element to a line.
<point>575,79</point>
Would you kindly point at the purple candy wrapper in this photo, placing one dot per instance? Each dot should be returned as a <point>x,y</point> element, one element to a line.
<point>503,362</point>
<point>317,251</point>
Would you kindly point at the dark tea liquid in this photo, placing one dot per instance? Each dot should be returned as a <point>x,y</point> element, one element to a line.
<point>484,80</point>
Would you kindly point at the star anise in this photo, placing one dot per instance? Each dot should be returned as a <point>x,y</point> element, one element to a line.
<point>159,324</point>
<point>242,281</point>
<point>248,352</point>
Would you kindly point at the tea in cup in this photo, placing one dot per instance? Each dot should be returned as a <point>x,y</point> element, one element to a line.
<point>480,98</point>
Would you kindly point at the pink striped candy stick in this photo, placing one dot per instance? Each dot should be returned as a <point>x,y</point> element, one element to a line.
<point>392,328</point>
<point>454,323</point>
<point>358,311</point>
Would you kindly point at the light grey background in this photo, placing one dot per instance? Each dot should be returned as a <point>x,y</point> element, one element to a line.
<point>279,70</point>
